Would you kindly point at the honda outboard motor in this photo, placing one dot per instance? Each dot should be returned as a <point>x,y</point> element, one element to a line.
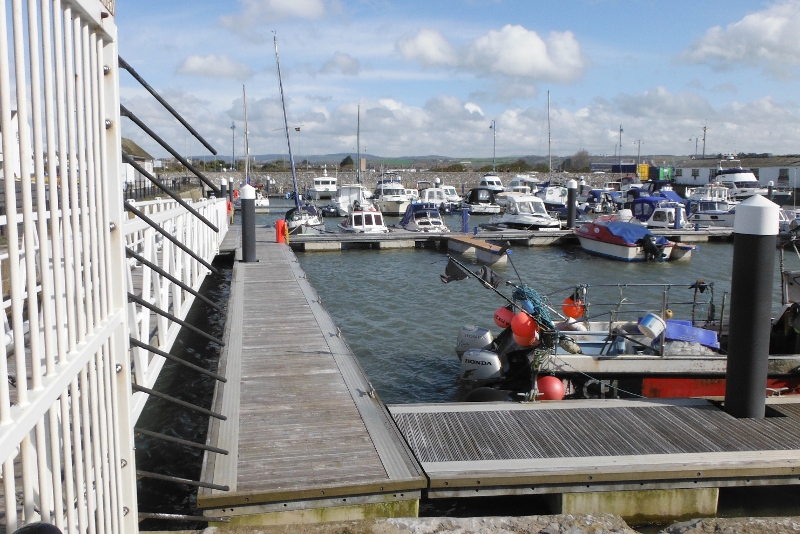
<point>481,366</point>
<point>472,337</point>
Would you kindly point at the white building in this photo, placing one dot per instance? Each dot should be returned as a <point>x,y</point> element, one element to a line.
<point>782,171</point>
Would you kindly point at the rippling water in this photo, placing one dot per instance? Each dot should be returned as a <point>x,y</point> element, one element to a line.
<point>401,321</point>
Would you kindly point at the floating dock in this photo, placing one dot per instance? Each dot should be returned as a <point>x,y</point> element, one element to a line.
<point>309,440</point>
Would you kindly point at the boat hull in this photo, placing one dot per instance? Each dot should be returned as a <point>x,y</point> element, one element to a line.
<point>394,208</point>
<point>618,252</point>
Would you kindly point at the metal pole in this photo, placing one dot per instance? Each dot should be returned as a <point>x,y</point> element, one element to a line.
<point>248,197</point>
<point>572,204</point>
<point>754,229</point>
<point>465,220</point>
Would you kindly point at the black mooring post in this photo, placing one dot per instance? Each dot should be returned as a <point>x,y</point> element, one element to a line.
<point>247,194</point>
<point>754,229</point>
<point>230,189</point>
<point>572,206</point>
<point>771,190</point>
<point>223,189</point>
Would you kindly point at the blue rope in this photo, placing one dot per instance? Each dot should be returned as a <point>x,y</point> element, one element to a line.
<point>523,293</point>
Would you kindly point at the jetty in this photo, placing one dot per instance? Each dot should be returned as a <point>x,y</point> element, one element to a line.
<point>310,440</point>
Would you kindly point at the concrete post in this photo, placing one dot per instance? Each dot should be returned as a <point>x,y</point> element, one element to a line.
<point>465,220</point>
<point>572,196</point>
<point>754,229</point>
<point>247,194</point>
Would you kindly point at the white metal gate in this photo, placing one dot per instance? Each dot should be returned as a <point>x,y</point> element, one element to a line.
<point>66,409</point>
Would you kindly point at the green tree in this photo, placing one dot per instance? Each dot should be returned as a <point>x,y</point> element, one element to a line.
<point>579,162</point>
<point>346,163</point>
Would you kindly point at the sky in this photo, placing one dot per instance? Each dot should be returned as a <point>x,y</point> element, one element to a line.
<point>432,77</point>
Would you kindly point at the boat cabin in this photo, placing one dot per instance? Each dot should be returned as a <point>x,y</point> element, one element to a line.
<point>492,182</point>
<point>656,212</point>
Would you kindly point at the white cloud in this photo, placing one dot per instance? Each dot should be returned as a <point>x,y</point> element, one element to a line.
<point>341,63</point>
<point>520,53</point>
<point>429,47</point>
<point>513,51</point>
<point>766,39</point>
<point>213,66</point>
<point>257,12</point>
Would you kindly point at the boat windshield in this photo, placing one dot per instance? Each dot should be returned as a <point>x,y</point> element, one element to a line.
<point>530,207</point>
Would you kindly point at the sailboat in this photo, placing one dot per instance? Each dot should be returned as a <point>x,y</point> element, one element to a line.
<point>303,218</point>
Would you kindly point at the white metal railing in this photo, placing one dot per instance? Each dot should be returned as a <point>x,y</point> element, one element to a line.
<point>66,404</point>
<point>148,284</point>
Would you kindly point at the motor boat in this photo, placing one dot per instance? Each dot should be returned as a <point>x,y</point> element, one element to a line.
<point>304,219</point>
<point>525,212</point>
<point>741,182</point>
<point>435,196</point>
<point>657,212</point>
<point>709,205</point>
<point>615,237</point>
<point>423,217</point>
<point>351,197</point>
<point>492,182</point>
<point>480,201</point>
<point>324,187</point>
<point>390,198</point>
<point>364,222</point>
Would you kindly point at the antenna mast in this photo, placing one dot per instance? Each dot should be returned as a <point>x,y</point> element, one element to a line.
<point>246,141</point>
<point>549,155</point>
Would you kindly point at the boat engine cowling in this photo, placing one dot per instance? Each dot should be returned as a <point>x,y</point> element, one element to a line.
<point>472,337</point>
<point>481,365</point>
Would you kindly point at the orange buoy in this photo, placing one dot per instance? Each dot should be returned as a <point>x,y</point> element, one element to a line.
<point>280,231</point>
<point>573,308</point>
<point>550,388</point>
<point>530,341</point>
<point>523,325</point>
<point>503,317</point>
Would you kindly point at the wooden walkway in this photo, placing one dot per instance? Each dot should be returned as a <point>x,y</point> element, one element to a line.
<point>599,445</point>
<point>305,429</point>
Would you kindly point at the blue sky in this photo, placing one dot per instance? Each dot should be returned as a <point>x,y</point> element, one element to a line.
<point>429,77</point>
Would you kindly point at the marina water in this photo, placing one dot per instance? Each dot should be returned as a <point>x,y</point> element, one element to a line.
<point>401,322</point>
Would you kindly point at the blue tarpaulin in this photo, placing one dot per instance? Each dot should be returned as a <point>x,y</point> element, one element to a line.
<point>632,233</point>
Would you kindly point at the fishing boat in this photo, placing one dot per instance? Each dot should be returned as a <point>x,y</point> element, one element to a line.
<point>650,340</point>
<point>480,201</point>
<point>423,217</point>
<point>302,218</point>
<point>524,212</point>
<point>615,237</point>
<point>364,222</point>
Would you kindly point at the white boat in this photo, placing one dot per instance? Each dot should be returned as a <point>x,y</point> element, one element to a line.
<point>390,198</point>
<point>351,197</point>
<point>709,205</point>
<point>740,181</point>
<point>423,217</point>
<point>526,212</point>
<point>303,218</point>
<point>657,212</point>
<point>492,181</point>
<point>451,195</point>
<point>364,222</point>
<point>435,196</point>
<point>324,187</point>
<point>480,201</point>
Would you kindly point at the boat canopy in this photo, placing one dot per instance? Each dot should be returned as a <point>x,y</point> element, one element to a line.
<point>480,195</point>
<point>421,209</point>
<point>632,233</point>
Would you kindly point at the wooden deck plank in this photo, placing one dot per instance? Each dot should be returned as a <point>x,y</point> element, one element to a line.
<point>304,422</point>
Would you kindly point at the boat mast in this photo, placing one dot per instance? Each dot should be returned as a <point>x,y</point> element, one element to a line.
<point>494,146</point>
<point>246,141</point>
<point>549,155</point>
<point>358,145</point>
<point>286,127</point>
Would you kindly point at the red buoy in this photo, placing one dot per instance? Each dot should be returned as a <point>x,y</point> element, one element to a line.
<point>503,316</point>
<point>530,341</point>
<point>523,325</point>
<point>280,227</point>
<point>573,308</point>
<point>550,388</point>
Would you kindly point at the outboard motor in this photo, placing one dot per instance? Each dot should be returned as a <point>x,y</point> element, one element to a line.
<point>481,366</point>
<point>652,252</point>
<point>472,337</point>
